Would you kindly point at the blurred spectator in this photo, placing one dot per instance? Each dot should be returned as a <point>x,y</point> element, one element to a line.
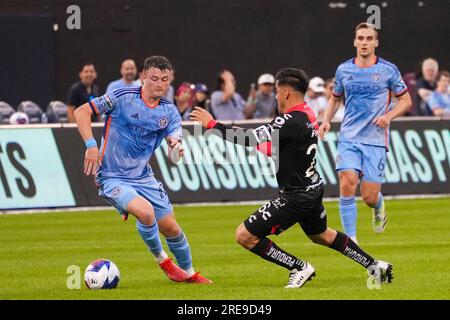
<point>315,97</point>
<point>426,85</point>
<point>439,101</point>
<point>201,98</point>
<point>226,103</point>
<point>171,91</point>
<point>329,86</point>
<point>184,99</point>
<point>128,71</point>
<point>83,90</point>
<point>262,103</point>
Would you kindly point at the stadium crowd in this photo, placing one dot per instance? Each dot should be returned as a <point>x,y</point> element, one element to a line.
<point>429,89</point>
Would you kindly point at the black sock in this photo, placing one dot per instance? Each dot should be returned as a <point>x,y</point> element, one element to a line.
<point>269,251</point>
<point>349,248</point>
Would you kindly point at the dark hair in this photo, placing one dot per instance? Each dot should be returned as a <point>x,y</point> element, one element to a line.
<point>220,81</point>
<point>442,74</point>
<point>329,80</point>
<point>297,79</point>
<point>365,25</point>
<point>86,64</point>
<point>158,62</point>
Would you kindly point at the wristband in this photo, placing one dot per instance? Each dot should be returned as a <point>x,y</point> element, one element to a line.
<point>90,143</point>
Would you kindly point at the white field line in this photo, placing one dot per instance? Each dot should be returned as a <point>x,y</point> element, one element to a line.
<point>201,204</point>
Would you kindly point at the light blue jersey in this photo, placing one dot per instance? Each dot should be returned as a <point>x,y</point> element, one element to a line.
<point>367,92</point>
<point>133,131</point>
<point>117,84</point>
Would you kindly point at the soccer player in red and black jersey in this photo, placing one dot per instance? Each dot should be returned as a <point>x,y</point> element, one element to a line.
<point>291,138</point>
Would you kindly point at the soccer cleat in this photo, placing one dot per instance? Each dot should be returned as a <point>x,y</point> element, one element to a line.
<point>172,271</point>
<point>379,219</point>
<point>197,278</point>
<point>299,278</point>
<point>381,271</point>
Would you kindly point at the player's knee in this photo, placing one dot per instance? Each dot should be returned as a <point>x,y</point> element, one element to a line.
<point>325,238</point>
<point>348,185</point>
<point>370,197</point>
<point>243,237</point>
<point>172,230</point>
<point>146,219</point>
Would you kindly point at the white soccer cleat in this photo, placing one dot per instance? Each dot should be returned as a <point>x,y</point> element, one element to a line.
<point>381,271</point>
<point>379,219</point>
<point>299,278</point>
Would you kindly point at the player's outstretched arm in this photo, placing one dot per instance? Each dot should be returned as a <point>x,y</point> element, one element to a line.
<point>245,137</point>
<point>83,119</point>
<point>333,105</point>
<point>403,105</point>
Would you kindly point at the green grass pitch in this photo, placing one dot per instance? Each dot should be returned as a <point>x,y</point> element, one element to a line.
<point>36,250</point>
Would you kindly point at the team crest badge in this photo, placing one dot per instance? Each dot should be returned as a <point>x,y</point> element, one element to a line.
<point>116,192</point>
<point>163,122</point>
<point>376,77</point>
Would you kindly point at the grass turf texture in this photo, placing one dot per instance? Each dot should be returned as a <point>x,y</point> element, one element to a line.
<point>35,251</point>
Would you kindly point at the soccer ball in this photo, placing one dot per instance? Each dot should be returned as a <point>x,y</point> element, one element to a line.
<point>102,274</point>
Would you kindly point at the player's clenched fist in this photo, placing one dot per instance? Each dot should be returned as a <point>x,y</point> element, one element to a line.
<point>91,161</point>
<point>202,116</point>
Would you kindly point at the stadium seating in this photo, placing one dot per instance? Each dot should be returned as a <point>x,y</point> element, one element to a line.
<point>6,112</point>
<point>33,111</point>
<point>57,112</point>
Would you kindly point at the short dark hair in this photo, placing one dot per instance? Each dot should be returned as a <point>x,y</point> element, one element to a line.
<point>158,62</point>
<point>328,81</point>
<point>441,74</point>
<point>86,64</point>
<point>366,25</point>
<point>297,79</point>
<point>220,80</point>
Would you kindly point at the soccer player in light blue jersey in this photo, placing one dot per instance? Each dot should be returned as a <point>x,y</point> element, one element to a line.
<point>366,84</point>
<point>137,121</point>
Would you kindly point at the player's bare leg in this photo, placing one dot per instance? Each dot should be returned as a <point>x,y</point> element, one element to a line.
<point>179,246</point>
<point>371,195</point>
<point>149,231</point>
<point>348,183</point>
<point>300,271</point>
<point>340,242</point>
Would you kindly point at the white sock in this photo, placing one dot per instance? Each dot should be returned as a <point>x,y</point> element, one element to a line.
<point>190,271</point>
<point>354,239</point>
<point>161,256</point>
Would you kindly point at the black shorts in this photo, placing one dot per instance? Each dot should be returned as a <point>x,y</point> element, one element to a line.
<point>304,207</point>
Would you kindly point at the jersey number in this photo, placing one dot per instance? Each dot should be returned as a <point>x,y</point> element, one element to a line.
<point>310,172</point>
